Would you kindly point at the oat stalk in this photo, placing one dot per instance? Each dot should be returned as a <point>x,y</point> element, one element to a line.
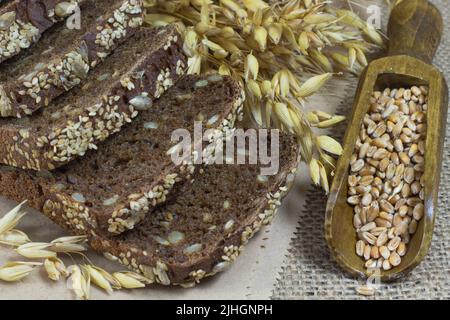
<point>55,268</point>
<point>14,238</point>
<point>281,52</point>
<point>11,219</point>
<point>17,270</point>
<point>79,277</point>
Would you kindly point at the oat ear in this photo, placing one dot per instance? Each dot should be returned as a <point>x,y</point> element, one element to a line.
<point>267,48</point>
<point>12,218</point>
<point>17,270</point>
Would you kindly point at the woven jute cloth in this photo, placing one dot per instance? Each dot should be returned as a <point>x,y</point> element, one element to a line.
<point>309,271</point>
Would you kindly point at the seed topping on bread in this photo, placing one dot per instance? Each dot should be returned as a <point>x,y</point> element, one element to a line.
<point>162,273</point>
<point>73,124</point>
<point>128,15</point>
<point>49,79</point>
<point>19,28</point>
<point>125,218</point>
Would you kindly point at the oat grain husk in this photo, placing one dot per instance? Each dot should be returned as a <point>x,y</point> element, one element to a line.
<point>281,52</point>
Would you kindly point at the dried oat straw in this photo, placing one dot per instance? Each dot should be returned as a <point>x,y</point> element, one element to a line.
<point>269,46</point>
<point>385,183</point>
<point>80,277</point>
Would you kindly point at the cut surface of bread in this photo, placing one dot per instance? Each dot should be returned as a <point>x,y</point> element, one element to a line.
<point>203,229</point>
<point>113,94</point>
<point>22,22</point>
<point>65,55</point>
<point>113,188</point>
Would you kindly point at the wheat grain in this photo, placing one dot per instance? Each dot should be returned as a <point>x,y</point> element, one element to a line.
<point>365,291</point>
<point>386,181</point>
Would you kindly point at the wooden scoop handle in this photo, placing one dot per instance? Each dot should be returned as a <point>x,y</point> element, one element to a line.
<point>415,29</point>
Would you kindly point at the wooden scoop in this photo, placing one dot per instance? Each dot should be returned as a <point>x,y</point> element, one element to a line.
<point>414,31</point>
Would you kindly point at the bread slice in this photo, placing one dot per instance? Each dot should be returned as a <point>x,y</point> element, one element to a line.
<point>64,57</point>
<point>112,95</point>
<point>113,188</point>
<point>202,230</point>
<point>22,22</point>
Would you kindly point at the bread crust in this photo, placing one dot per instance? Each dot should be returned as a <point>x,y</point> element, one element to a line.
<point>152,264</point>
<point>27,147</point>
<point>190,273</point>
<point>64,206</point>
<point>22,23</point>
<point>23,94</point>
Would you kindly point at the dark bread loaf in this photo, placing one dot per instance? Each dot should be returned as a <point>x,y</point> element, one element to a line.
<point>112,95</point>
<point>64,57</point>
<point>113,188</point>
<point>203,230</point>
<point>196,234</point>
<point>22,22</point>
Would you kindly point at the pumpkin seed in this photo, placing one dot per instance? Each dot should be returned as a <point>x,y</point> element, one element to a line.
<point>7,19</point>
<point>193,248</point>
<point>175,237</point>
<point>151,125</point>
<point>111,201</point>
<point>201,83</point>
<point>141,103</point>
<point>78,197</point>
<point>64,9</point>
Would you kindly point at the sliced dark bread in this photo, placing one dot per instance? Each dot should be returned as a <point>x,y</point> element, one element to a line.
<point>202,230</point>
<point>112,95</point>
<point>22,22</point>
<point>113,188</point>
<point>64,57</point>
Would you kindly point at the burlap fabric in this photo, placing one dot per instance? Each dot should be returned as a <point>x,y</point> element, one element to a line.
<point>309,271</point>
